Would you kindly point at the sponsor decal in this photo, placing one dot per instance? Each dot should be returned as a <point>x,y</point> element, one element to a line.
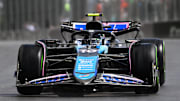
<point>85,67</point>
<point>79,26</point>
<point>122,79</point>
<point>117,26</point>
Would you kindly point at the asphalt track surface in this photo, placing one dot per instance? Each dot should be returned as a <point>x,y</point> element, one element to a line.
<point>169,92</point>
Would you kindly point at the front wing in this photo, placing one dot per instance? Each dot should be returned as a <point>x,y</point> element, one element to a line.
<point>101,79</point>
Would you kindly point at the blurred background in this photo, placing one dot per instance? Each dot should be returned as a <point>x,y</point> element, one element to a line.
<point>40,19</point>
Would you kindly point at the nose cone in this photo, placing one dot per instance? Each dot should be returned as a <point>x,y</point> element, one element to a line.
<point>84,78</point>
<point>85,69</point>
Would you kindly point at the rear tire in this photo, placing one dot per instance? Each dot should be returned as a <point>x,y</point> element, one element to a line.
<point>29,68</point>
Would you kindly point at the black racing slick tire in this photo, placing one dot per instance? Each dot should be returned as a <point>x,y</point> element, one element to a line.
<point>29,68</point>
<point>160,55</point>
<point>144,66</point>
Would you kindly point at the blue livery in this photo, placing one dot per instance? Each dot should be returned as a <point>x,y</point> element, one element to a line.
<point>85,67</point>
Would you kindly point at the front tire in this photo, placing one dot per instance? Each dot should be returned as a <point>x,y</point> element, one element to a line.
<point>160,55</point>
<point>144,66</point>
<point>29,68</point>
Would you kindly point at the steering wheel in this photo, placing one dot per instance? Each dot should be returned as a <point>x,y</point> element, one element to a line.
<point>107,34</point>
<point>86,35</point>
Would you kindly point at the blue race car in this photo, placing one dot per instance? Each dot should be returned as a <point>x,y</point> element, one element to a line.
<point>92,59</point>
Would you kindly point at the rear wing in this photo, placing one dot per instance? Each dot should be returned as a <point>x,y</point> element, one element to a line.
<point>118,27</point>
<point>114,26</point>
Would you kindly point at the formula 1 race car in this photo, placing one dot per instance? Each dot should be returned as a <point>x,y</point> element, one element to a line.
<point>93,59</point>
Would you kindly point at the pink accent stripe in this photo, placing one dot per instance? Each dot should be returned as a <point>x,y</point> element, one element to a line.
<point>130,54</point>
<point>49,77</point>
<point>123,77</point>
<point>44,47</point>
